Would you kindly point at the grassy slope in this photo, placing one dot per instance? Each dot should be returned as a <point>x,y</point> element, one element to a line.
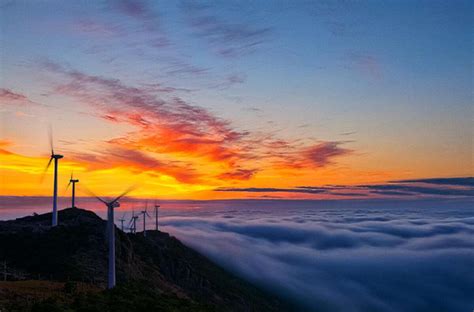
<point>158,272</point>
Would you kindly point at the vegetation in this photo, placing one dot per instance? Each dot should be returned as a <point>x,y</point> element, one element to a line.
<point>65,269</point>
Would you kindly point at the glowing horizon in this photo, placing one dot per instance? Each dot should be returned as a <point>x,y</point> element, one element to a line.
<point>203,102</point>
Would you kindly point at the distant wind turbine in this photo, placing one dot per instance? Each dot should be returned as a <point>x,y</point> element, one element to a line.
<point>111,233</point>
<point>133,223</point>
<point>122,220</point>
<point>145,214</point>
<point>73,182</point>
<point>56,157</point>
<point>156,215</point>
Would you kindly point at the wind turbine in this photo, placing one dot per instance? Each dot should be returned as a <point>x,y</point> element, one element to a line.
<point>56,157</point>
<point>156,215</point>
<point>145,214</point>
<point>111,234</point>
<point>122,220</point>
<point>133,223</point>
<point>73,182</point>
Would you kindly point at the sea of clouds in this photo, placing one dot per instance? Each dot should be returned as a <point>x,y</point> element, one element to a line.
<point>350,257</point>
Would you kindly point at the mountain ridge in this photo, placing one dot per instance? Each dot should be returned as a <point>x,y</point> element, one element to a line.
<point>76,251</point>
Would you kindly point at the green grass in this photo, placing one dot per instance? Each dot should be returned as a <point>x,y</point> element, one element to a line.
<point>45,296</point>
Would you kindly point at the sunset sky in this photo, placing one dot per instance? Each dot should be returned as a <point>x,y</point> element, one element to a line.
<point>238,99</point>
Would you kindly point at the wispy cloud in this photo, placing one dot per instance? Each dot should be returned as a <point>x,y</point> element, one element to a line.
<point>12,98</point>
<point>145,16</point>
<point>467,181</point>
<point>271,190</point>
<point>416,189</point>
<point>323,153</point>
<point>166,124</point>
<point>238,174</point>
<point>442,187</point>
<point>229,39</point>
<point>367,64</point>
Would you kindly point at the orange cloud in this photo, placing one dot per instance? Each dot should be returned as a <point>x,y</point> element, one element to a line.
<point>172,139</point>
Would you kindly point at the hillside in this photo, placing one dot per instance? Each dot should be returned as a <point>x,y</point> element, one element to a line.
<point>156,272</point>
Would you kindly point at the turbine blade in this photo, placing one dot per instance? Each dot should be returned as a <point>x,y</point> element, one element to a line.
<point>46,169</point>
<point>50,137</point>
<point>94,195</point>
<point>67,187</point>
<point>131,188</point>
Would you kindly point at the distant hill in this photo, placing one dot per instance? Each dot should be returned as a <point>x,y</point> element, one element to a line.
<point>154,273</point>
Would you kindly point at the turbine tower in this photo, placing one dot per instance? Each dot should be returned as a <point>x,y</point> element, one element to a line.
<point>133,223</point>
<point>122,220</point>
<point>73,182</point>
<point>156,215</point>
<point>111,205</point>
<point>145,214</point>
<point>54,157</point>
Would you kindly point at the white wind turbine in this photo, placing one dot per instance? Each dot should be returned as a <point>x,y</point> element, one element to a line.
<point>73,182</point>
<point>111,205</point>
<point>156,215</point>
<point>54,157</point>
<point>145,214</point>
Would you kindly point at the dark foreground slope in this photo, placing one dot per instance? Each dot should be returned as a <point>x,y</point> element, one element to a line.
<point>154,273</point>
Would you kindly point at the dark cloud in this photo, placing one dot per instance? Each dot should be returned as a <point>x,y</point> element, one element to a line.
<point>441,187</point>
<point>420,190</point>
<point>465,181</point>
<point>392,193</point>
<point>238,174</point>
<point>268,190</point>
<point>323,153</point>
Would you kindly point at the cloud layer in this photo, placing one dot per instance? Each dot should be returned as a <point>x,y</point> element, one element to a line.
<point>378,258</point>
<point>355,255</point>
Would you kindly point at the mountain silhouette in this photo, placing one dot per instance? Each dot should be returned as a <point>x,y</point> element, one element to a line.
<point>154,273</point>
